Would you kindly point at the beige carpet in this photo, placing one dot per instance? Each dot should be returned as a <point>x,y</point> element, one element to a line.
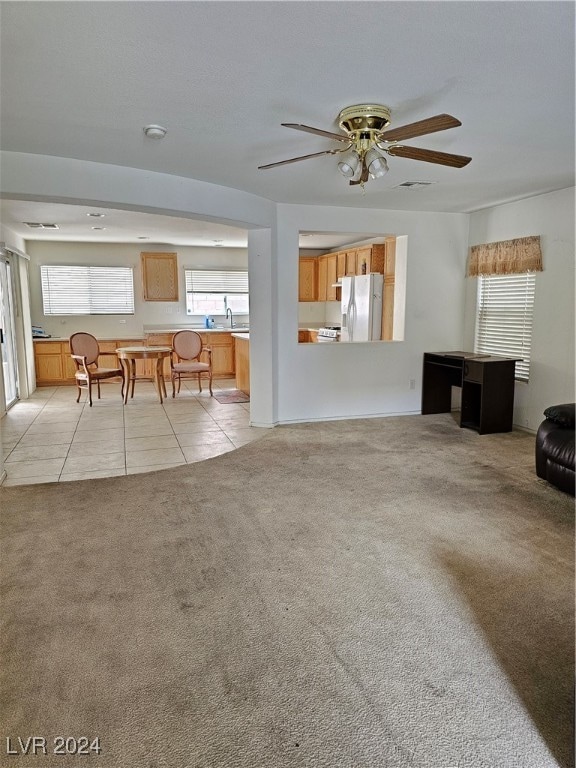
<point>380,593</point>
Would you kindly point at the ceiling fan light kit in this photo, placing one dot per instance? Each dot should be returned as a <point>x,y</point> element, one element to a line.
<point>376,162</point>
<point>349,165</point>
<point>367,141</point>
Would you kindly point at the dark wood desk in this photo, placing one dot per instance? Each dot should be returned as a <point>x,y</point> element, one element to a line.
<point>487,384</point>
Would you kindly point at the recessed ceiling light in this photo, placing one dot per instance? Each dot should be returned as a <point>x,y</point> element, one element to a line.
<point>98,227</point>
<point>96,215</point>
<point>154,131</point>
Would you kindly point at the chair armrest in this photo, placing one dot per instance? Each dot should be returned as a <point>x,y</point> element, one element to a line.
<point>208,350</point>
<point>80,360</point>
<point>562,415</point>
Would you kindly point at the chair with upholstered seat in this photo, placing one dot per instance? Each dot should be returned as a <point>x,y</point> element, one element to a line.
<point>85,352</point>
<point>187,347</point>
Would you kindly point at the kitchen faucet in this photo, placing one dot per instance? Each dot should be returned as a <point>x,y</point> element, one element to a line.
<point>229,312</point>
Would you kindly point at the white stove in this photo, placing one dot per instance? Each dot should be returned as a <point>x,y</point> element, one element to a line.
<point>330,333</point>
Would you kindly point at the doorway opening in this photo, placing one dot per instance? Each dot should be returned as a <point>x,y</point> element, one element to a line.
<point>7,333</point>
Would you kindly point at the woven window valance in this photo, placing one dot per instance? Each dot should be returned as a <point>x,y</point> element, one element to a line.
<point>506,257</point>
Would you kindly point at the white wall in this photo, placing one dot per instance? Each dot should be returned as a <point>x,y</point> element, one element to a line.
<point>347,380</point>
<point>552,363</point>
<point>57,179</point>
<point>147,313</point>
<point>304,382</point>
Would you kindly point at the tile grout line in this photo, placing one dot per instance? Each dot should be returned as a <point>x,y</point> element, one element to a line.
<point>174,433</point>
<point>58,399</point>
<point>71,441</point>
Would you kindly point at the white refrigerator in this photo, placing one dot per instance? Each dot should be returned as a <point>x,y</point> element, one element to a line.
<point>362,307</point>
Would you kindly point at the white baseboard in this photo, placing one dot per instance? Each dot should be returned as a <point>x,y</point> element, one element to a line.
<point>350,417</point>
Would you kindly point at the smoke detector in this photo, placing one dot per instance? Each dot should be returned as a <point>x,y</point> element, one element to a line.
<point>154,131</point>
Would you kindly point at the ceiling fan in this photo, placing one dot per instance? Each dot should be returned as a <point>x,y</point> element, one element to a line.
<point>367,142</point>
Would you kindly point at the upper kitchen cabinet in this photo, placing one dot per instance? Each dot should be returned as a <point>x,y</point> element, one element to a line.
<point>308,279</point>
<point>389,289</point>
<point>370,258</point>
<point>322,278</point>
<point>331,276</point>
<point>159,276</point>
<point>318,275</point>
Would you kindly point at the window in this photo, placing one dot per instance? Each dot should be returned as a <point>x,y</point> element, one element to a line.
<point>213,291</point>
<point>504,317</point>
<point>87,290</point>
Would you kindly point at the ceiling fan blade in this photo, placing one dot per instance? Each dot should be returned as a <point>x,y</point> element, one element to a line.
<point>429,156</point>
<point>302,157</point>
<point>421,128</point>
<point>317,131</point>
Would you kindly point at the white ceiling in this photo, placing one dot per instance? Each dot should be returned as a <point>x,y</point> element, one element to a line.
<point>81,79</point>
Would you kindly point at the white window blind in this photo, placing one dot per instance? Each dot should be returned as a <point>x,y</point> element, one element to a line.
<point>70,290</point>
<point>213,291</point>
<point>504,317</point>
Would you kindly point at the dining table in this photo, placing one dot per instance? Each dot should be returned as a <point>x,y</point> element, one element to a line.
<point>128,357</point>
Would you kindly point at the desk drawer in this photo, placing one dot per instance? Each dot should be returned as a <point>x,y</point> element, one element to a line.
<point>473,371</point>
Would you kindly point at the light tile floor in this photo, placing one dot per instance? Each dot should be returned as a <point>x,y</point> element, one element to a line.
<point>51,438</point>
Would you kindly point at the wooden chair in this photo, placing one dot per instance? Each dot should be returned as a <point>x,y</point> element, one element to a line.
<point>187,346</point>
<point>85,351</point>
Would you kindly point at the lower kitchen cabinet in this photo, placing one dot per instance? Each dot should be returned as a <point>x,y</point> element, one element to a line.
<point>222,346</point>
<point>54,365</point>
<point>242,363</point>
<point>220,342</point>
<point>51,366</point>
<point>148,366</point>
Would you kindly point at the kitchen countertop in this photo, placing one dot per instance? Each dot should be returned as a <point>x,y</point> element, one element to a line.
<point>133,336</point>
<point>198,329</point>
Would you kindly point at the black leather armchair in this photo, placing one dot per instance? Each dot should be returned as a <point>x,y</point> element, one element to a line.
<point>555,447</point>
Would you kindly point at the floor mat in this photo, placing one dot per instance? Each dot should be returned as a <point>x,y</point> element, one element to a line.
<point>235,396</point>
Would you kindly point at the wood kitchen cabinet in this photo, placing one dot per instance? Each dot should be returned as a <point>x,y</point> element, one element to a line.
<point>54,365</point>
<point>318,275</point>
<point>220,342</point>
<point>322,277</point>
<point>49,362</point>
<point>159,276</point>
<point>340,264</point>
<point>389,288</point>
<point>350,262</point>
<point>370,259</point>
<point>222,346</point>
<point>242,363</point>
<point>331,276</point>
<point>307,278</point>
<point>148,366</point>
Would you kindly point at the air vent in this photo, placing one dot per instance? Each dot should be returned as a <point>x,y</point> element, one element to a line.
<point>414,184</point>
<point>37,225</point>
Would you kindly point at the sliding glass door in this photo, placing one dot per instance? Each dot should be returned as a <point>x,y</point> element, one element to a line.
<point>7,336</point>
